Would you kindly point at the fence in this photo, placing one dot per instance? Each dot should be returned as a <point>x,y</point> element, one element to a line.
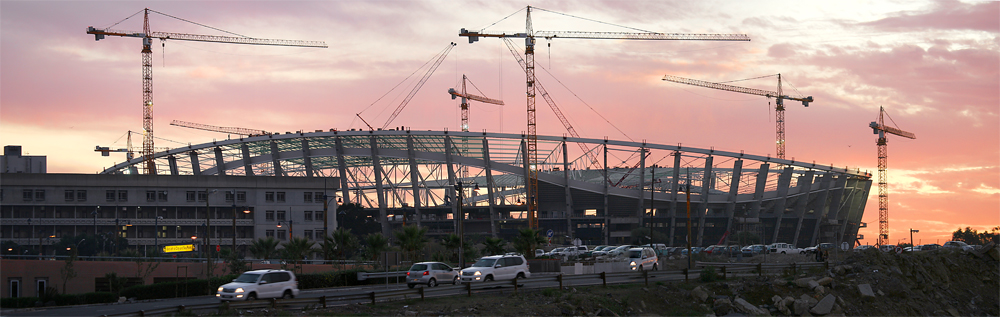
<point>564,280</point>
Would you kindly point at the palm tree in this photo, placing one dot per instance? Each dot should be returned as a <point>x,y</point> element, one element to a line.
<point>452,242</point>
<point>494,246</point>
<point>296,249</point>
<point>328,247</point>
<point>264,248</point>
<point>344,241</point>
<point>412,239</point>
<point>527,240</point>
<point>375,244</point>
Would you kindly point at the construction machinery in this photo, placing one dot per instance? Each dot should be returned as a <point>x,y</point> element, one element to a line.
<point>147,37</point>
<point>779,107</point>
<point>879,127</point>
<point>430,71</point>
<point>465,95</point>
<point>229,130</point>
<point>529,35</point>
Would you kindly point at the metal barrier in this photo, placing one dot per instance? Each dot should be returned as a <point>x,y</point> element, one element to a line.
<point>564,280</point>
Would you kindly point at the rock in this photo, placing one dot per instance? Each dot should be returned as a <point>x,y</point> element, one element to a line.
<point>700,294</point>
<point>866,290</point>
<point>820,290</point>
<point>812,285</point>
<point>409,313</point>
<point>824,306</point>
<point>953,311</point>
<point>607,312</point>
<point>780,282</point>
<point>722,306</point>
<point>121,299</point>
<point>800,307</point>
<point>825,281</point>
<point>776,300</point>
<point>783,306</point>
<point>802,282</point>
<point>880,293</point>
<point>749,309</point>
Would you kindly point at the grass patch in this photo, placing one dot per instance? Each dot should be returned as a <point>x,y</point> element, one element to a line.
<point>549,292</point>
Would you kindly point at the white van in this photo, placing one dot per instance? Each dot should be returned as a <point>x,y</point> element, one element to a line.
<point>783,248</point>
<point>640,259</point>
<point>495,268</point>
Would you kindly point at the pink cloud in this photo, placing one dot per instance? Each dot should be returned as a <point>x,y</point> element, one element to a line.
<point>945,15</point>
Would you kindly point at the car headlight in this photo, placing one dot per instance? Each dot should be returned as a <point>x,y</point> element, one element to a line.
<point>239,290</point>
<point>220,289</point>
<point>632,264</point>
<point>477,273</point>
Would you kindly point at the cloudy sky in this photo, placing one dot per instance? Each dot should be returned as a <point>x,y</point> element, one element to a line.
<point>932,64</point>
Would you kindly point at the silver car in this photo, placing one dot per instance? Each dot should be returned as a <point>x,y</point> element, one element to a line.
<point>431,274</point>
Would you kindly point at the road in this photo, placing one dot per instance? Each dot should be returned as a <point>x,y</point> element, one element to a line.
<point>537,281</point>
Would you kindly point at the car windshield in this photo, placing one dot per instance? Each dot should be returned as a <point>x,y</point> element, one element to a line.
<point>247,278</point>
<point>485,263</point>
<point>635,254</point>
<point>418,267</point>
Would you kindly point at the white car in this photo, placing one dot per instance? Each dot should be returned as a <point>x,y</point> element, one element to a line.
<point>783,248</point>
<point>961,245</point>
<point>260,284</point>
<point>616,252</point>
<point>496,268</point>
<point>431,274</point>
<point>641,259</point>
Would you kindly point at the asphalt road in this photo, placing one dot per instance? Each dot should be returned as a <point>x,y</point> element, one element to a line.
<point>538,280</point>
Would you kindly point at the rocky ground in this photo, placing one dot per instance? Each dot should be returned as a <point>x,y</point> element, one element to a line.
<point>871,283</point>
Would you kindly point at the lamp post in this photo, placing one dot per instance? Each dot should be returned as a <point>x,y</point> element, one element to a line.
<point>208,233</point>
<point>245,211</point>
<point>913,246</point>
<point>95,219</point>
<point>156,232</point>
<point>461,226</point>
<point>289,228</point>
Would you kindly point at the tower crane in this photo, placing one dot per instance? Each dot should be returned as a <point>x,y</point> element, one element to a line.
<point>529,35</point>
<point>147,37</point>
<point>779,107</point>
<point>230,130</point>
<point>430,71</point>
<point>881,129</point>
<point>465,103</point>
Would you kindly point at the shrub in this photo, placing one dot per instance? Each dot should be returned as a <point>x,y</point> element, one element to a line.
<point>61,300</point>
<point>199,287</point>
<point>708,274</point>
<point>329,279</point>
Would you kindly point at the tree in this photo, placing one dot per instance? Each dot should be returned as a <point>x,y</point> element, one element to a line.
<point>452,242</point>
<point>328,247</point>
<point>116,283</point>
<point>67,272</point>
<point>361,221</point>
<point>142,267</point>
<point>411,239</point>
<point>296,250</point>
<point>494,246</point>
<point>345,241</point>
<point>375,244</point>
<point>264,248</point>
<point>527,240</point>
<point>235,263</point>
<point>972,236</point>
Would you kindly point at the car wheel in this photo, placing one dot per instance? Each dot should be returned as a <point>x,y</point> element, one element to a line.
<point>520,275</point>
<point>640,268</point>
<point>410,285</point>
<point>456,280</point>
<point>432,283</point>
<point>654,267</point>
<point>782,252</point>
<point>489,278</point>
<point>287,295</point>
<point>252,296</point>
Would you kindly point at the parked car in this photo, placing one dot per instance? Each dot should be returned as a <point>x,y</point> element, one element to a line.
<point>863,248</point>
<point>712,249</point>
<point>555,253</point>
<point>260,284</point>
<point>618,251</point>
<point>431,274</point>
<point>930,247</point>
<point>659,248</point>
<point>539,252</point>
<point>574,251</point>
<point>912,249</point>
<point>887,248</point>
<point>640,259</point>
<point>820,247</point>
<point>496,268</point>
<point>783,248</point>
<point>595,249</point>
<point>757,249</point>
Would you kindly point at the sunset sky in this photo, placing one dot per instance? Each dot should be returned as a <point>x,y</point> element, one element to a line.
<point>934,66</point>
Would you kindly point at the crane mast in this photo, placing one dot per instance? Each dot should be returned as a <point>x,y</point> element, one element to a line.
<point>779,108</point>
<point>465,101</point>
<point>881,129</point>
<point>147,37</point>
<point>230,130</point>
<point>531,184</point>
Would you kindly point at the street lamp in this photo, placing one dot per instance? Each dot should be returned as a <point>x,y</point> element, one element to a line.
<point>95,218</point>
<point>913,246</point>
<point>246,211</point>
<point>461,223</point>
<point>156,232</point>
<point>290,226</point>
<point>208,232</point>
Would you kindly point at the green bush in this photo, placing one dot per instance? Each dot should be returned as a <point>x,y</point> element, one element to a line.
<point>18,302</point>
<point>61,300</point>
<point>708,274</point>
<point>199,287</point>
<point>329,279</point>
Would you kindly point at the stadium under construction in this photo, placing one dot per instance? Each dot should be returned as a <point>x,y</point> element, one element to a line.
<point>599,195</point>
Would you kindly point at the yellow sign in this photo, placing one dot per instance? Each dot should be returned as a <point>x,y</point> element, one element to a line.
<point>178,248</point>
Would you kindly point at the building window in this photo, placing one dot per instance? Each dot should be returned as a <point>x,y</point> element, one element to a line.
<point>269,233</point>
<point>202,196</point>
<point>320,197</point>
<point>269,215</point>
<point>241,197</point>
<point>320,234</point>
<point>122,195</point>
<point>308,234</point>
<point>269,197</point>
<point>81,195</point>
<point>27,194</point>
<point>229,197</point>
<point>307,197</point>
<point>281,215</point>
<point>39,195</point>
<point>281,234</point>
<point>191,196</point>
<point>162,195</point>
<point>319,216</point>
<point>70,195</point>
<point>281,196</point>
<point>150,195</point>
<point>109,195</point>
<point>15,288</point>
<point>307,215</point>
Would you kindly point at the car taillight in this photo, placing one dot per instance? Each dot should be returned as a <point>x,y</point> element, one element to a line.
<point>407,273</point>
<point>427,272</point>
